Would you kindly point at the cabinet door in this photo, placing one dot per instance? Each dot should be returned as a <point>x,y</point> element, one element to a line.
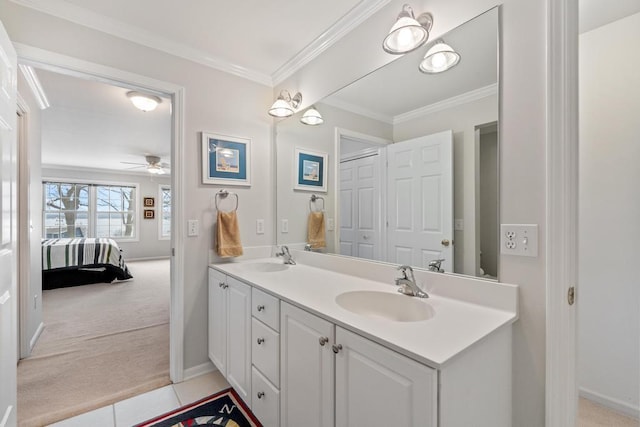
<point>239,338</point>
<point>218,320</point>
<point>377,387</point>
<point>307,369</point>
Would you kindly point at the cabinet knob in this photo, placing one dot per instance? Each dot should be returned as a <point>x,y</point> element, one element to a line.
<point>260,394</point>
<point>221,284</point>
<point>323,340</point>
<point>260,340</point>
<point>260,307</point>
<point>336,348</point>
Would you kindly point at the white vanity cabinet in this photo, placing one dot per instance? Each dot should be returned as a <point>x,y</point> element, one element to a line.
<point>230,331</point>
<point>373,386</point>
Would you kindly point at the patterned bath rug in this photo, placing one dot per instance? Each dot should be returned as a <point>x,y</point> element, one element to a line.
<point>221,409</point>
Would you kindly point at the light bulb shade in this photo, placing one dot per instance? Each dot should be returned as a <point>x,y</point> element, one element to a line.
<point>281,108</point>
<point>144,102</point>
<point>408,33</point>
<point>155,169</point>
<point>441,57</point>
<point>312,117</point>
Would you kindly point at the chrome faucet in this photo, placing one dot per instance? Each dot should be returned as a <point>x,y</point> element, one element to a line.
<point>286,255</point>
<point>409,286</point>
<point>436,265</point>
<point>307,247</point>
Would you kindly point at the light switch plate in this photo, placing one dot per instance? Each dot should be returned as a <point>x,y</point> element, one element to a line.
<point>259,226</point>
<point>330,224</point>
<point>285,226</point>
<point>192,227</point>
<point>519,239</point>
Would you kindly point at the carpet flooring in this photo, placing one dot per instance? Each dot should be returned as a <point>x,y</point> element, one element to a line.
<point>102,343</point>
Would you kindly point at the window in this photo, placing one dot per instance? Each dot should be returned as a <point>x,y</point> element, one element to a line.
<point>89,210</point>
<point>165,212</point>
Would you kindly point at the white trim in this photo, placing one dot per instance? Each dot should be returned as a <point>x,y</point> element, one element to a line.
<point>109,171</point>
<point>160,188</point>
<point>356,16</point>
<point>35,336</point>
<point>562,211</point>
<point>151,258</point>
<point>196,371</point>
<point>357,109</point>
<point>86,18</point>
<point>36,87</point>
<point>362,137</point>
<point>615,405</point>
<point>454,101</point>
<point>5,418</point>
<point>360,154</point>
<point>74,66</point>
<point>24,227</point>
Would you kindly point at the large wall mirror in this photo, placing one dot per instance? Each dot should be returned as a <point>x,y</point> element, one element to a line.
<point>405,165</point>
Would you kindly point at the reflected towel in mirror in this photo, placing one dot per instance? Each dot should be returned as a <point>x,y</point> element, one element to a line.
<point>228,240</point>
<point>315,230</point>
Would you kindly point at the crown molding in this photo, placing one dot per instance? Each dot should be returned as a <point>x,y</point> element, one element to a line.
<point>454,101</point>
<point>36,87</point>
<point>94,170</point>
<point>356,16</point>
<point>86,18</point>
<point>356,109</point>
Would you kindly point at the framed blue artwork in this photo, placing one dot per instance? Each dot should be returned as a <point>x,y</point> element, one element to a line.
<point>226,160</point>
<point>310,170</point>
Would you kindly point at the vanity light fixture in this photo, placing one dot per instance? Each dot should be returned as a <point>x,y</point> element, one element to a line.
<point>408,33</point>
<point>312,117</point>
<point>285,105</point>
<point>441,57</point>
<point>144,102</point>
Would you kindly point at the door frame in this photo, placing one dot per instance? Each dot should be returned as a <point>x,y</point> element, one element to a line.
<point>68,65</point>
<point>562,211</point>
<point>368,139</point>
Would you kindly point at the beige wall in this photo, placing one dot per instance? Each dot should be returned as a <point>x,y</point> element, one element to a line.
<point>214,102</point>
<point>523,138</point>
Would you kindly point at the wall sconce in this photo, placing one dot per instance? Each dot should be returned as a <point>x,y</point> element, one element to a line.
<point>441,57</point>
<point>312,117</point>
<point>408,33</point>
<point>144,102</point>
<point>285,105</point>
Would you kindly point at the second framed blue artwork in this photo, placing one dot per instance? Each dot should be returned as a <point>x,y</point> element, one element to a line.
<point>226,160</point>
<point>310,170</point>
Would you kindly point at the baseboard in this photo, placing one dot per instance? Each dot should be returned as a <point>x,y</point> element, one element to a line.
<point>196,371</point>
<point>35,337</point>
<point>611,403</point>
<point>152,258</point>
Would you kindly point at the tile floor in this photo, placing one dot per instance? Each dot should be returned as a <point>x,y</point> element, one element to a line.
<point>148,405</point>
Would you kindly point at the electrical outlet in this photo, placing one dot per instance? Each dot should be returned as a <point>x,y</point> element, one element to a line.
<point>519,239</point>
<point>458,224</point>
<point>192,227</point>
<point>330,224</point>
<point>259,226</point>
<point>285,226</point>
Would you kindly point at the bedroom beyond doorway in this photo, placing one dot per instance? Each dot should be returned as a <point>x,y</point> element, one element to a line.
<point>102,343</point>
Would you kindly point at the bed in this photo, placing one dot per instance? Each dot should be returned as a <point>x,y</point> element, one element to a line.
<point>81,261</point>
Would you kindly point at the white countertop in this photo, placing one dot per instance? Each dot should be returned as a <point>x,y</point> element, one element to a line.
<point>456,325</point>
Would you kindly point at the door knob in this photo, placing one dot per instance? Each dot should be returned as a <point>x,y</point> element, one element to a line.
<point>445,242</point>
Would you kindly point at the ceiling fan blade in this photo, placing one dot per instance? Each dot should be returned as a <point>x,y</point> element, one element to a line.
<point>134,163</point>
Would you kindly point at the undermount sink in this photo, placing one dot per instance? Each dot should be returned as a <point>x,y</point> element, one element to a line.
<point>386,305</point>
<point>266,267</point>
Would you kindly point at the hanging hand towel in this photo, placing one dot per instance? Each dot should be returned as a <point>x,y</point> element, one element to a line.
<point>228,243</point>
<point>315,230</point>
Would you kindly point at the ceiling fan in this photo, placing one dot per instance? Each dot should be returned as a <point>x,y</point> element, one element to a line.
<point>154,165</point>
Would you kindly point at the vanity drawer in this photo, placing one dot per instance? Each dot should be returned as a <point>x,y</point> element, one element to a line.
<point>265,401</point>
<point>266,308</point>
<point>265,351</point>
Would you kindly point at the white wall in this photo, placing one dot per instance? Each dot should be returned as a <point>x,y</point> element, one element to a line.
<point>35,208</point>
<point>609,271</point>
<point>291,134</point>
<point>148,244</point>
<point>462,119</point>
<point>214,102</point>
<point>523,138</point>
<point>489,202</point>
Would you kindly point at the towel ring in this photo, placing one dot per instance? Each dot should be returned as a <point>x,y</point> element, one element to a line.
<point>222,194</point>
<point>313,200</point>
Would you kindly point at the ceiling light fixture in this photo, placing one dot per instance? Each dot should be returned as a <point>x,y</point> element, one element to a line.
<point>312,117</point>
<point>155,169</point>
<point>439,58</point>
<point>408,33</point>
<point>285,105</point>
<point>144,102</point>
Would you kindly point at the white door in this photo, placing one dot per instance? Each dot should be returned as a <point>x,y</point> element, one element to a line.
<point>377,387</point>
<point>239,338</point>
<point>8,232</point>
<point>420,200</point>
<point>218,320</point>
<point>307,369</point>
<point>360,204</point>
